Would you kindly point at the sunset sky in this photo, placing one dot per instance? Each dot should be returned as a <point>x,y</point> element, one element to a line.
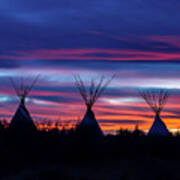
<point>138,40</point>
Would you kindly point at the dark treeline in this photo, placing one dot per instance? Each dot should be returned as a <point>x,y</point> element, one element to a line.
<point>77,147</point>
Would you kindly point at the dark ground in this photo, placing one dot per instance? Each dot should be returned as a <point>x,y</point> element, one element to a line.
<point>73,156</point>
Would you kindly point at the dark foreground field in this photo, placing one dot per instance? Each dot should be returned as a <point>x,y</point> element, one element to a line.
<point>125,169</point>
<point>72,156</point>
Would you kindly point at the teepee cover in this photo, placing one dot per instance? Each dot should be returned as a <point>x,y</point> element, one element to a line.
<point>158,127</point>
<point>22,120</point>
<point>89,122</point>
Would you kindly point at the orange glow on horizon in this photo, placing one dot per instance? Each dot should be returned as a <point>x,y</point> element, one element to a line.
<point>113,120</point>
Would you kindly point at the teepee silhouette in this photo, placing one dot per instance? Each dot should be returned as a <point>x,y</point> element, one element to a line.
<point>157,102</point>
<point>89,123</point>
<point>22,121</point>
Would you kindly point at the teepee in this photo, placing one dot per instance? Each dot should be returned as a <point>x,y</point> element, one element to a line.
<point>157,102</point>
<point>89,123</point>
<point>22,121</point>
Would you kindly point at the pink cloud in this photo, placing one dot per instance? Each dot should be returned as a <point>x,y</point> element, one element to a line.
<point>90,54</point>
<point>170,39</point>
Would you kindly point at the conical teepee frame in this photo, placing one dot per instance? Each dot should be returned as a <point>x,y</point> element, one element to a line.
<point>156,101</point>
<point>90,97</point>
<point>22,120</point>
